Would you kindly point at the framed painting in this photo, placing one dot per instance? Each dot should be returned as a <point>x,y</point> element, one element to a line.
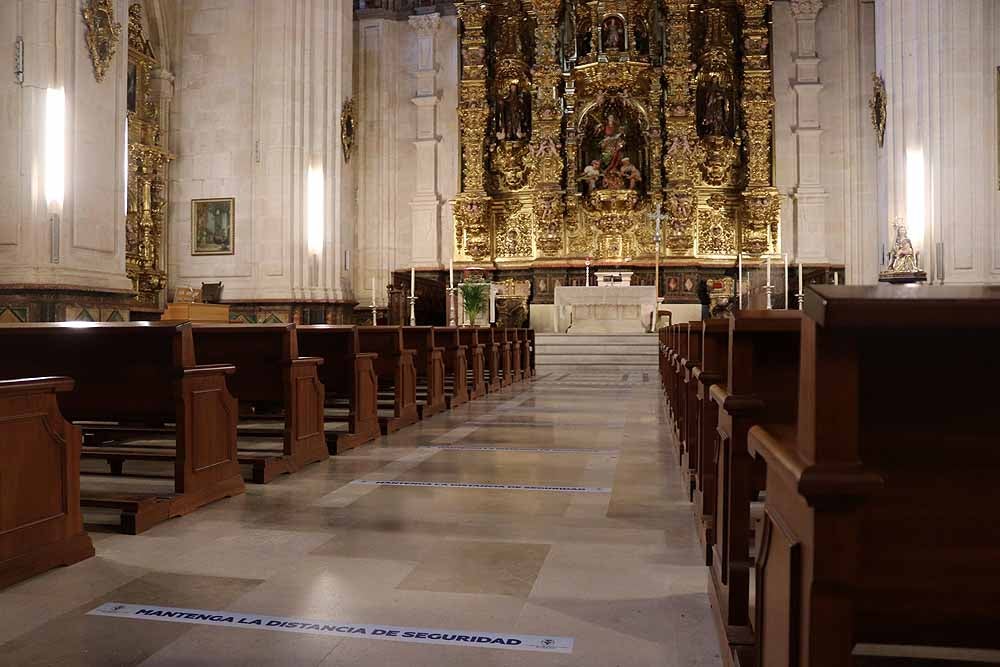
<point>212,226</point>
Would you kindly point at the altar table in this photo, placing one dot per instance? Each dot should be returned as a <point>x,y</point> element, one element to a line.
<point>605,309</point>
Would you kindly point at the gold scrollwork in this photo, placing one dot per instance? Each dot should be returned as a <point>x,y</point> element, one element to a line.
<point>103,32</point>
<point>877,105</point>
<point>347,128</point>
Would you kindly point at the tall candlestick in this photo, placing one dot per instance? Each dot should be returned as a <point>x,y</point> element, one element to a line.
<point>739,274</point>
<point>373,291</point>
<point>786,281</point>
<point>769,272</point>
<point>413,281</point>
<point>802,293</point>
<point>451,273</point>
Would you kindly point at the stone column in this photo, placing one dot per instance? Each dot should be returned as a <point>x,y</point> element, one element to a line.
<point>937,167</point>
<point>809,195</point>
<point>426,204</point>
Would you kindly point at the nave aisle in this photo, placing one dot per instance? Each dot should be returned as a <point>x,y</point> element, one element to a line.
<point>617,572</point>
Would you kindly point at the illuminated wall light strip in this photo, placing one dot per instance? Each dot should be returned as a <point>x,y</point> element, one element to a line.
<point>915,210</point>
<point>315,210</point>
<point>55,147</point>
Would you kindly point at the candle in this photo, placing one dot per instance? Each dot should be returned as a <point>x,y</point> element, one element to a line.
<point>373,291</point>
<point>786,281</point>
<point>836,278</point>
<point>413,281</point>
<point>739,274</point>
<point>769,272</point>
<point>451,273</point>
<point>801,292</point>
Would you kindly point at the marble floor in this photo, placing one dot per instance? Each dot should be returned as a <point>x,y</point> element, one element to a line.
<point>609,560</point>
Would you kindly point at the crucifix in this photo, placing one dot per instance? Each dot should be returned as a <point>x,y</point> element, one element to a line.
<point>659,218</point>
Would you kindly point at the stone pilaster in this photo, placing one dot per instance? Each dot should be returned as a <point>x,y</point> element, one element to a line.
<point>809,195</point>
<point>425,206</point>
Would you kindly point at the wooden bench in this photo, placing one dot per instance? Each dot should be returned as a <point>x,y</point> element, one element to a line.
<point>689,387</point>
<point>529,352</point>
<point>475,361</point>
<point>41,526</point>
<point>397,379</point>
<point>713,369</point>
<point>350,381</point>
<point>456,390</point>
<point>270,376</point>
<point>429,364</point>
<point>131,380</point>
<point>881,524</point>
<point>490,340</point>
<point>514,336</point>
<point>761,386</point>
<point>506,356</point>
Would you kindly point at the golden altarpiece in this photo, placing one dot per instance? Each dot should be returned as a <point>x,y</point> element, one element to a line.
<point>146,215</point>
<point>581,119</point>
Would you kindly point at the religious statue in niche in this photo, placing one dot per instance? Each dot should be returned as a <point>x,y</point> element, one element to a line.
<point>613,34</point>
<point>567,36</point>
<point>640,35</point>
<point>902,259</point>
<point>613,151</point>
<point>514,115</point>
<point>583,39</point>
<point>715,109</point>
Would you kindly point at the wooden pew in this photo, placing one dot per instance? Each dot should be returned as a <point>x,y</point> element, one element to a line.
<point>41,526</point>
<point>689,387</point>
<point>139,376</point>
<point>761,386</point>
<point>506,356</point>
<point>397,378</point>
<point>881,523</point>
<point>529,338</point>
<point>680,396</point>
<point>713,370</point>
<point>429,364</point>
<point>475,361</point>
<point>490,339</point>
<point>350,381</point>
<point>270,375</point>
<point>516,370</point>
<point>456,390</point>
<point>671,375</point>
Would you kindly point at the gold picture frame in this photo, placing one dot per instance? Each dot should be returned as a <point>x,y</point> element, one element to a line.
<point>213,226</point>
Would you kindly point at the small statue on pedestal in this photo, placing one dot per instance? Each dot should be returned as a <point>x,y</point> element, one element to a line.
<point>903,260</point>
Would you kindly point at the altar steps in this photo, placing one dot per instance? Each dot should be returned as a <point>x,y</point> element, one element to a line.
<point>633,352</point>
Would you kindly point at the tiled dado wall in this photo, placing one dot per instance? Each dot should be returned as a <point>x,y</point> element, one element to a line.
<point>299,313</point>
<point>63,306</point>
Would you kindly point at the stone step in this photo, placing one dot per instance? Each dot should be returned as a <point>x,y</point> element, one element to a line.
<point>643,350</point>
<point>630,352</point>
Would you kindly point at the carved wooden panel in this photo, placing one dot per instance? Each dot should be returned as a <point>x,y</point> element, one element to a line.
<point>779,576</point>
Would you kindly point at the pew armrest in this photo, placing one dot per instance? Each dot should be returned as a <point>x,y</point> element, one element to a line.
<point>817,483</point>
<point>708,378</point>
<point>38,384</point>
<point>307,361</point>
<point>209,369</point>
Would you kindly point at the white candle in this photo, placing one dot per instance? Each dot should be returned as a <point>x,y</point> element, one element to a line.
<point>786,281</point>
<point>769,272</point>
<point>413,281</point>
<point>373,291</point>
<point>739,274</point>
<point>451,273</point>
<point>836,278</point>
<point>800,279</point>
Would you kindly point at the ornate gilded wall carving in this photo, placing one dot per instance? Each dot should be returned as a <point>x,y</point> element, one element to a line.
<point>146,217</point>
<point>578,118</point>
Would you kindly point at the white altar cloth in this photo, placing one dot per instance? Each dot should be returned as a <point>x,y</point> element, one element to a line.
<point>605,309</point>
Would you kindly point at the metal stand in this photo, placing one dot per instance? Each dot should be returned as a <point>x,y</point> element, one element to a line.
<point>452,310</point>
<point>413,310</point>
<point>770,292</point>
<point>657,273</point>
<point>800,297</point>
<point>374,315</point>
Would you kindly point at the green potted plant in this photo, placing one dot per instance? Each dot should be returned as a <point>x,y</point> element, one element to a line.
<point>475,296</point>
